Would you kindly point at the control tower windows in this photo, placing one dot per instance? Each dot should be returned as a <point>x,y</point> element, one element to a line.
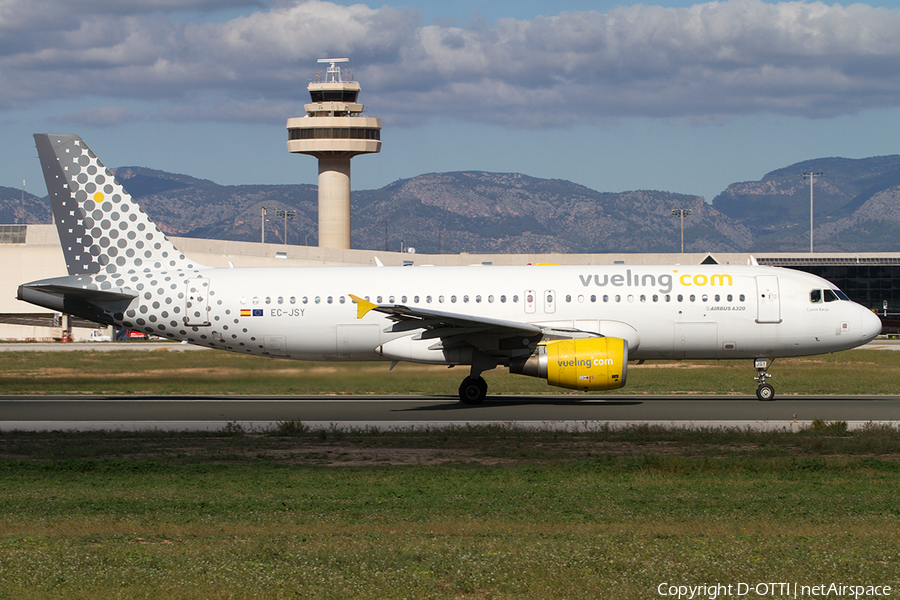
<point>334,133</point>
<point>347,96</point>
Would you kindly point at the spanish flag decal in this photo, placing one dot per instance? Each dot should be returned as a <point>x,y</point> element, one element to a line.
<point>245,312</point>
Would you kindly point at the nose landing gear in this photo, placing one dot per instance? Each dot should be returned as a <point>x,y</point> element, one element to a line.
<point>764,391</point>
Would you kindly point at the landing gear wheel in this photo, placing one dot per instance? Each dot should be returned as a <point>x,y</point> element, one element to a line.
<point>765,392</point>
<point>473,390</point>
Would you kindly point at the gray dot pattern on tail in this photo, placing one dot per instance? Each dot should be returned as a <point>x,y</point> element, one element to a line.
<point>108,230</point>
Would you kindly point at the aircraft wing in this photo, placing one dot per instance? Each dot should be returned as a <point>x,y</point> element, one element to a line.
<point>455,328</point>
<point>423,318</point>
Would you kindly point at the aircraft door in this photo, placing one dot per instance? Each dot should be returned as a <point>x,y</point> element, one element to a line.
<point>196,302</point>
<point>549,301</point>
<point>768,302</point>
<point>530,301</point>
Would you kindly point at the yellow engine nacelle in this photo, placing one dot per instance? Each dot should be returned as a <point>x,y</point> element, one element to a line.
<point>579,364</point>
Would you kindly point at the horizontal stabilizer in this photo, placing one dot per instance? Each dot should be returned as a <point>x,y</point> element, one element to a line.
<point>62,295</point>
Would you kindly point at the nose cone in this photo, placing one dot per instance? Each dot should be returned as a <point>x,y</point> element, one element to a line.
<point>871,325</point>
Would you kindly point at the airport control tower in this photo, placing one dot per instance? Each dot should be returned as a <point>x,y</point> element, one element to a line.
<point>334,132</point>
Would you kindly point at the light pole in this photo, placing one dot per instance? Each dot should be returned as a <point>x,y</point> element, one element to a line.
<point>812,177</point>
<point>262,224</point>
<point>681,212</point>
<point>286,214</point>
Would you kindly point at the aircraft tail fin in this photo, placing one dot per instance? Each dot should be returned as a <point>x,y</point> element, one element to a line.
<point>101,228</point>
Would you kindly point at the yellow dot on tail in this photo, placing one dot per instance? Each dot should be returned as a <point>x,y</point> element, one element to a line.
<point>98,197</point>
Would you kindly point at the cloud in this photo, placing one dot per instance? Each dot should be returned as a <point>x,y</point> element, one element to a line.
<point>708,61</point>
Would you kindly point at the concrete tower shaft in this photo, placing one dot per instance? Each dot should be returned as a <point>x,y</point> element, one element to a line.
<point>334,132</point>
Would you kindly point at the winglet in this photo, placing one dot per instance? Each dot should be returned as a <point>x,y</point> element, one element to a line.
<point>363,306</point>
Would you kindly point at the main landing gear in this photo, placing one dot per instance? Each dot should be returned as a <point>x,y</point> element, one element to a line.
<point>473,390</point>
<point>764,391</point>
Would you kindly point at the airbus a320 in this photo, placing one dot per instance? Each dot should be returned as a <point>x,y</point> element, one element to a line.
<point>574,326</point>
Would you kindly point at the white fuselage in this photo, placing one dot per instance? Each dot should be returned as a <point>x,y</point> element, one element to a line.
<point>693,311</point>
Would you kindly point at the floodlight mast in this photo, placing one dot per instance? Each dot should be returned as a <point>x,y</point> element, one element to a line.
<point>681,212</point>
<point>812,177</point>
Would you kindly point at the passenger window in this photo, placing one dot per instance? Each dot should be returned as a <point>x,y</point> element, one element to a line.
<point>378,299</point>
<point>268,300</point>
<point>729,297</point>
<point>605,298</point>
<point>704,298</point>
<point>293,300</point>
<point>243,300</point>
<point>693,298</point>
<point>580,299</point>
<point>255,300</point>
<point>391,299</point>
<point>453,298</point>
<point>515,298</point>
<point>415,299</point>
<point>342,300</point>
<point>502,297</point>
<point>718,298</point>
<point>655,298</point>
<point>830,296</point>
<point>305,300</point>
<point>741,297</point>
<point>440,299</point>
<point>618,298</point>
<point>815,296</point>
<point>490,298</point>
<point>318,300</point>
<point>593,297</point>
<point>680,298</point>
<point>668,297</point>
<point>643,298</point>
<point>466,298</point>
<point>280,300</point>
<point>428,299</point>
<point>330,299</point>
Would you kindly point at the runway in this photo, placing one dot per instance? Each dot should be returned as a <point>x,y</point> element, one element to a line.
<point>42,413</point>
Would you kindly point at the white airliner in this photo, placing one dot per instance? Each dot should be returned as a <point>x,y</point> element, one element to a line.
<point>575,326</point>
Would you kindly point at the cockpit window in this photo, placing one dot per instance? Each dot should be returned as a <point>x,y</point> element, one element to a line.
<point>830,296</point>
<point>815,296</point>
<point>841,295</point>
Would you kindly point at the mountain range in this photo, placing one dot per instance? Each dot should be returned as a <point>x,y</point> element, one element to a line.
<point>856,202</point>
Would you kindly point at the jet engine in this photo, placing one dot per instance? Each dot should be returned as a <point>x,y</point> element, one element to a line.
<point>579,364</point>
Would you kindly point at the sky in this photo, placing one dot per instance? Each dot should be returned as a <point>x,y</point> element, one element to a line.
<point>669,95</point>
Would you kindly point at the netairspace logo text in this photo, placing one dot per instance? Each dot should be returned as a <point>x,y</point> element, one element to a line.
<point>711,591</point>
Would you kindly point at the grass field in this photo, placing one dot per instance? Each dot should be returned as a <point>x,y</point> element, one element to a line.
<point>481,512</point>
<point>468,512</point>
<point>172,372</point>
